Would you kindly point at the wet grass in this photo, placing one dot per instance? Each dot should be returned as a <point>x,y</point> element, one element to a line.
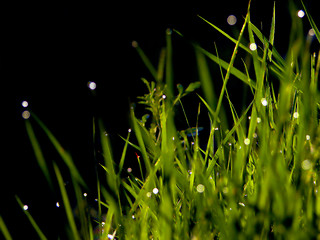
<point>256,178</point>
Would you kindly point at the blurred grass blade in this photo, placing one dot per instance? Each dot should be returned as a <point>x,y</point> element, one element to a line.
<point>272,31</point>
<point>66,203</point>
<point>66,157</point>
<point>312,23</point>
<point>4,230</point>
<point>145,60</point>
<point>169,66</point>
<point>38,153</point>
<point>124,151</point>
<point>234,71</point>
<point>32,221</point>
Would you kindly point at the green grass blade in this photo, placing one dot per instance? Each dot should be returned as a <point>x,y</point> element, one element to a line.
<point>38,153</point>
<point>169,66</point>
<point>32,221</point>
<point>312,23</point>
<point>272,30</point>
<point>124,151</point>
<point>66,203</point>
<point>145,60</point>
<point>66,157</point>
<point>4,230</point>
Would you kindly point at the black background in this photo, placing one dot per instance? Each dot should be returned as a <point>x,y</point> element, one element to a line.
<point>49,52</point>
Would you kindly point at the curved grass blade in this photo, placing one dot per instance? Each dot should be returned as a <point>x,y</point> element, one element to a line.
<point>66,157</point>
<point>32,221</point>
<point>312,23</point>
<point>66,203</point>
<point>38,153</point>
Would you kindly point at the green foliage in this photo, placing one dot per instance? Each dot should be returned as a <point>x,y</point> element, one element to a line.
<point>257,179</point>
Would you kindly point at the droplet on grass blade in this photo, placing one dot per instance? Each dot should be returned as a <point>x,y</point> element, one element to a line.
<point>200,188</point>
<point>57,204</point>
<point>253,46</point>
<point>306,164</point>
<point>155,190</point>
<point>26,114</point>
<point>296,115</point>
<point>247,141</point>
<point>311,32</point>
<point>25,207</point>
<point>308,137</point>
<point>264,102</point>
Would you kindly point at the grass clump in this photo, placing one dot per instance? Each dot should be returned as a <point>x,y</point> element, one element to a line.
<point>257,176</point>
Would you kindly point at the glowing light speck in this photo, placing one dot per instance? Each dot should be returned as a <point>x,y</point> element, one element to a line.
<point>300,13</point>
<point>264,102</point>
<point>148,194</point>
<point>92,85</point>
<point>155,190</point>
<point>85,194</point>
<point>26,114</point>
<point>247,141</point>
<point>57,204</point>
<point>308,137</point>
<point>253,46</point>
<point>311,32</point>
<point>200,188</point>
<point>232,20</point>
<point>296,115</point>
<point>24,104</point>
<point>258,120</point>
<point>25,207</point>
<point>129,170</point>
<point>306,164</point>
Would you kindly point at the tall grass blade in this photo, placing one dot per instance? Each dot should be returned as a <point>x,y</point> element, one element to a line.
<point>32,221</point>
<point>38,153</point>
<point>312,23</point>
<point>4,230</point>
<point>66,203</point>
<point>66,157</point>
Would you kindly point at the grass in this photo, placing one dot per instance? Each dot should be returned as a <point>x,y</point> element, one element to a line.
<point>257,176</point>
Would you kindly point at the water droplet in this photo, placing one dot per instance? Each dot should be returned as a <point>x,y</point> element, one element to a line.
<point>264,102</point>
<point>253,46</point>
<point>232,20</point>
<point>258,120</point>
<point>155,190</point>
<point>249,117</point>
<point>242,204</point>
<point>168,31</point>
<point>24,104</point>
<point>85,194</point>
<point>129,170</point>
<point>255,135</point>
<point>306,164</point>
<point>200,188</point>
<point>164,96</point>
<point>247,141</point>
<point>25,207</point>
<point>308,137</point>
<point>26,114</point>
<point>129,130</point>
<point>92,85</point>
<point>190,172</point>
<point>133,217</point>
<point>110,236</point>
<point>148,194</point>
<point>295,115</point>
<point>173,138</point>
<point>311,32</point>
<point>134,44</point>
<point>57,204</point>
<point>300,13</point>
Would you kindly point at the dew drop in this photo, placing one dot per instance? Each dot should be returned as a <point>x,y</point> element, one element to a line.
<point>311,32</point>
<point>155,190</point>
<point>24,104</point>
<point>85,194</point>
<point>232,20</point>
<point>129,170</point>
<point>92,85</point>
<point>129,130</point>
<point>164,96</point>
<point>300,13</point>
<point>258,120</point>
<point>242,204</point>
<point>148,194</point>
<point>308,137</point>
<point>247,141</point>
<point>134,44</point>
<point>296,115</point>
<point>306,164</point>
<point>26,114</point>
<point>25,207</point>
<point>200,188</point>
<point>253,46</point>
<point>57,204</point>
<point>264,102</point>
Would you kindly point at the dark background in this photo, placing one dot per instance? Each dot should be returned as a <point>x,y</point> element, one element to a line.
<point>49,52</point>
